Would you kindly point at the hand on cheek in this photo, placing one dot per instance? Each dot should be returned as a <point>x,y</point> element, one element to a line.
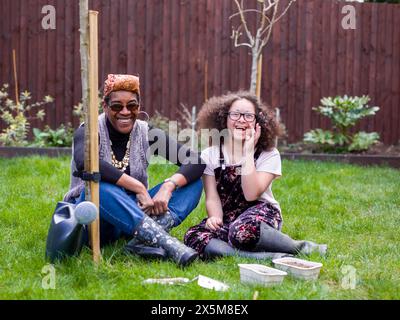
<point>257,133</point>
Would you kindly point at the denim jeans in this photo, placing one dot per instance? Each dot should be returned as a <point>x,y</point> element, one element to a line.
<point>120,214</point>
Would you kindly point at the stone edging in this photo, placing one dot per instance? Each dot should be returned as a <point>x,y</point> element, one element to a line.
<point>391,161</point>
<point>11,152</point>
<point>360,159</point>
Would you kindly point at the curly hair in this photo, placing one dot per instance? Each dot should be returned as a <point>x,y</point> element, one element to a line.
<point>214,112</point>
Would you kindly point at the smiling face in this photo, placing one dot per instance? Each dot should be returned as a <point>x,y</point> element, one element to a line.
<point>128,103</point>
<point>237,128</point>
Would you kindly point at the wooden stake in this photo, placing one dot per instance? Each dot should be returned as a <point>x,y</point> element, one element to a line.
<point>93,126</point>
<point>15,77</point>
<point>206,81</point>
<point>259,76</point>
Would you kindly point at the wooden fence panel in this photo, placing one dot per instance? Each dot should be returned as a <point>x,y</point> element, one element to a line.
<point>182,51</point>
<point>395,112</point>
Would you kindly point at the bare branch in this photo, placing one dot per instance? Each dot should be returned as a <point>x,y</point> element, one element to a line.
<point>275,20</point>
<point>270,5</point>
<point>235,36</point>
<point>269,16</point>
<point>243,20</point>
<point>186,115</point>
<point>269,28</point>
<point>245,11</point>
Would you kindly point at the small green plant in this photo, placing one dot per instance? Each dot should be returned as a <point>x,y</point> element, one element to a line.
<point>60,137</point>
<point>162,122</point>
<point>344,113</point>
<point>15,115</point>
<point>79,112</point>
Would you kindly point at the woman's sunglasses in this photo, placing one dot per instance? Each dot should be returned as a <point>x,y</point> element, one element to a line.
<point>117,107</point>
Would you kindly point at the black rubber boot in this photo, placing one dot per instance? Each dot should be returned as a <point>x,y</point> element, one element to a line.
<point>145,251</point>
<point>166,221</point>
<point>148,251</point>
<point>150,231</point>
<point>275,241</point>
<point>218,248</point>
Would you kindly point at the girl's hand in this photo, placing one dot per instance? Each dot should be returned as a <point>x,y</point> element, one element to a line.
<point>257,134</point>
<point>214,223</point>
<point>252,137</point>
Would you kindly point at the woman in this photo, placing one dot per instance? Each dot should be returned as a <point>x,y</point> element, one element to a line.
<point>244,218</point>
<point>127,207</point>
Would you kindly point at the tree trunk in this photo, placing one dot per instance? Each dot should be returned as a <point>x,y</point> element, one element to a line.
<point>84,48</point>
<point>84,51</point>
<point>254,65</point>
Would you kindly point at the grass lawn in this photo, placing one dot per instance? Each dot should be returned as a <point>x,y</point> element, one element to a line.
<point>354,210</point>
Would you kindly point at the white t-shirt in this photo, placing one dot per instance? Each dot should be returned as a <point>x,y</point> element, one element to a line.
<point>268,161</point>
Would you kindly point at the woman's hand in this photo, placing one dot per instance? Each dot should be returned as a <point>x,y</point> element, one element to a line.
<point>214,223</point>
<point>161,199</point>
<point>145,202</point>
<point>142,196</point>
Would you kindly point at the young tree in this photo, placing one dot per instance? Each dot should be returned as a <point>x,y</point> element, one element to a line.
<point>269,12</point>
<point>84,48</point>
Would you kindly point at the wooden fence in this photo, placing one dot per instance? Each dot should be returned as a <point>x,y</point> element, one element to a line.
<point>183,53</point>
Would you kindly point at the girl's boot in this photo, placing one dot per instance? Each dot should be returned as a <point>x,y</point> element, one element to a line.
<point>276,241</point>
<point>219,248</point>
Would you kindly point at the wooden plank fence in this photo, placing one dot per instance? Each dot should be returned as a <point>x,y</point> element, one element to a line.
<point>171,43</point>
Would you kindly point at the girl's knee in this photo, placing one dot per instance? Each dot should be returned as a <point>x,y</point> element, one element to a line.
<point>242,236</point>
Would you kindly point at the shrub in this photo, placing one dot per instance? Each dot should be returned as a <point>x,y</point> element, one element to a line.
<point>163,122</point>
<point>15,115</point>
<point>79,112</point>
<point>60,137</point>
<point>344,113</point>
<point>363,140</point>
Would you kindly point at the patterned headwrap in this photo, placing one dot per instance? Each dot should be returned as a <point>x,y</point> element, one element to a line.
<point>116,82</point>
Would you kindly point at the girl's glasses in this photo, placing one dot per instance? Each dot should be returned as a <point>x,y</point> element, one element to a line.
<point>235,116</point>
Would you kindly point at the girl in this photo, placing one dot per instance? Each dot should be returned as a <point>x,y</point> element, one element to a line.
<point>243,216</point>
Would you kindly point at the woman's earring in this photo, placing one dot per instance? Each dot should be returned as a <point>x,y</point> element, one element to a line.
<point>145,113</point>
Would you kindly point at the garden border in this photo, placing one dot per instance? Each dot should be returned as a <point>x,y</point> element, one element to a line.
<point>12,152</point>
<point>360,159</point>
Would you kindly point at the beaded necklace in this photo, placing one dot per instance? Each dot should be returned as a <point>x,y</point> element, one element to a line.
<point>123,164</point>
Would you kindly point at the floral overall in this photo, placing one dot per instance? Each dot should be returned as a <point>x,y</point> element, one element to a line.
<point>241,218</point>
